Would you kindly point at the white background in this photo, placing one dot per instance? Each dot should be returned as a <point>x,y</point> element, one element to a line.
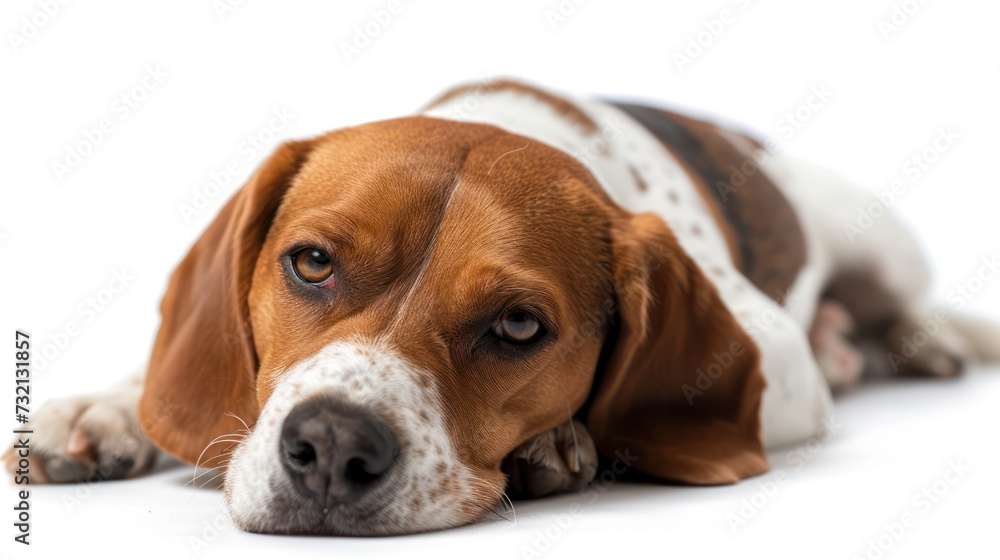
<point>63,235</point>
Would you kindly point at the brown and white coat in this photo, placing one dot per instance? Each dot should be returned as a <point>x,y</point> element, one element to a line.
<point>694,294</point>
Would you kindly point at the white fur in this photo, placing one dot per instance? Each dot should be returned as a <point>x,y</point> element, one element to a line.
<point>374,377</point>
<point>825,202</point>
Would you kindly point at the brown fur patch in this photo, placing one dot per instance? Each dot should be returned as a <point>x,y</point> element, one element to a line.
<point>756,217</point>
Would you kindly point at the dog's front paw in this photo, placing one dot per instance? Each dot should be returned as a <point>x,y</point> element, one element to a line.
<point>85,438</point>
<point>563,459</point>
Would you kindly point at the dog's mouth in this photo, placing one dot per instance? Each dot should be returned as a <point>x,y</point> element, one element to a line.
<point>403,501</point>
<point>290,515</point>
<point>389,510</point>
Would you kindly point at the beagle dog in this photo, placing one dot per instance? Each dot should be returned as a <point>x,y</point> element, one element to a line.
<point>392,326</point>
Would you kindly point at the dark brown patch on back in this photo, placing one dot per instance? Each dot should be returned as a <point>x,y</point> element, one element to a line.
<point>565,108</point>
<point>770,244</point>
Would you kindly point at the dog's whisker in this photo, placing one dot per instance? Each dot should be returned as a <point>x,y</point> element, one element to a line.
<point>503,495</point>
<point>211,479</point>
<point>500,502</point>
<point>208,470</point>
<point>197,463</point>
<point>576,444</point>
<point>234,415</point>
<point>194,491</point>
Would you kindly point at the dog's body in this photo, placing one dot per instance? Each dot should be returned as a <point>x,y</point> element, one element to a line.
<point>399,310</point>
<point>798,248</point>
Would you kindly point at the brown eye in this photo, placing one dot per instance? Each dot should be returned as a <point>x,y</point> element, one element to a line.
<point>518,327</point>
<point>313,266</point>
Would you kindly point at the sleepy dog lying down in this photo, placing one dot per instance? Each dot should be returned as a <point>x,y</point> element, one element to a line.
<point>391,325</point>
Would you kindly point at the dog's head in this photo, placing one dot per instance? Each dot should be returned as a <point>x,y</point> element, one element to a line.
<point>394,308</point>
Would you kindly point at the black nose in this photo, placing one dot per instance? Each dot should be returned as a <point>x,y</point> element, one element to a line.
<point>333,453</point>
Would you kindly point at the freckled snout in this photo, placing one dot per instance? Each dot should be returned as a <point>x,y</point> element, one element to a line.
<point>333,453</point>
<point>353,441</point>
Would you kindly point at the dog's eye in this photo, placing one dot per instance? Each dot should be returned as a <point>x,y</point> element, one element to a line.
<point>518,327</point>
<point>313,266</point>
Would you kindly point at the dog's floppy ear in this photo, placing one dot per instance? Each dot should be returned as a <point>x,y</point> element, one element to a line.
<point>649,403</point>
<point>203,367</point>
